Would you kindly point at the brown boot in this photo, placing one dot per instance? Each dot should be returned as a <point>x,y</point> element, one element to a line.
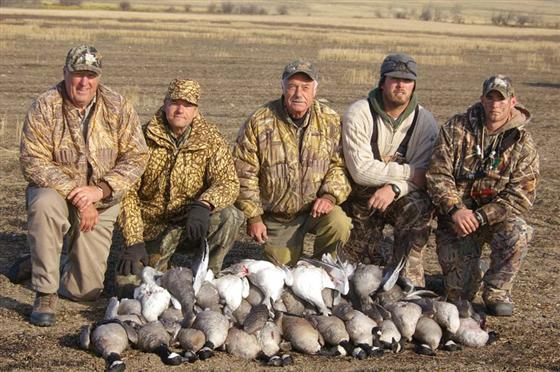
<point>44,309</point>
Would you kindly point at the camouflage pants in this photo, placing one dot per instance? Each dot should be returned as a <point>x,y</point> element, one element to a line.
<point>460,257</point>
<point>222,231</point>
<point>410,217</point>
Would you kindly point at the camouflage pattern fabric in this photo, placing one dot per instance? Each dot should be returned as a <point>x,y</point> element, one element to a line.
<point>201,168</point>
<point>83,58</point>
<point>508,189</point>
<point>55,154</point>
<point>222,232</point>
<point>410,217</point>
<point>460,258</point>
<point>188,90</point>
<point>282,176</point>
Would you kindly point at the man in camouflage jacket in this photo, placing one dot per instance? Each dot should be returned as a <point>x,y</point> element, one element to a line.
<point>289,161</point>
<point>482,179</point>
<point>82,148</point>
<point>186,193</point>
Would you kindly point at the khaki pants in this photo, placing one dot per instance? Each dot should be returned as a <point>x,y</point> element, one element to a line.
<point>286,238</point>
<point>52,221</point>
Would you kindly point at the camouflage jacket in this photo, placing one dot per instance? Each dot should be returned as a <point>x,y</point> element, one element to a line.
<point>499,186</point>
<point>282,171</point>
<point>55,154</point>
<point>200,168</point>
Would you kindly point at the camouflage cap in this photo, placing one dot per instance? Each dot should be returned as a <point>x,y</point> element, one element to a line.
<point>83,58</point>
<point>400,66</point>
<point>499,83</point>
<point>188,90</point>
<point>300,66</point>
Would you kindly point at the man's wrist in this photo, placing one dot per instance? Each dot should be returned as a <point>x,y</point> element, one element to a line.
<point>480,218</point>
<point>396,190</point>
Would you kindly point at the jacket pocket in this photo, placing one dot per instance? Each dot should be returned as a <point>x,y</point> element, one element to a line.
<point>65,156</point>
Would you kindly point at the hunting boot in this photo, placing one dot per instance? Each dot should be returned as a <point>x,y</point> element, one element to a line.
<point>498,302</point>
<point>44,309</point>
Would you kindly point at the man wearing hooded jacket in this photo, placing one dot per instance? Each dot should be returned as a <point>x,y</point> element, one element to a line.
<point>388,140</point>
<point>482,179</point>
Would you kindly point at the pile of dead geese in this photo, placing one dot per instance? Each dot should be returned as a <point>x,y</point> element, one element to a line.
<point>257,310</point>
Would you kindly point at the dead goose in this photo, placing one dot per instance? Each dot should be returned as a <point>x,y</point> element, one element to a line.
<point>256,319</point>
<point>300,333</point>
<point>471,334</point>
<point>447,316</point>
<point>269,338</point>
<point>308,282</point>
<point>405,315</point>
<point>179,282</point>
<point>365,281</point>
<point>215,327</point>
<point>241,313</point>
<point>390,336</point>
<point>233,288</point>
<point>208,297</point>
<point>131,311</point>
<point>292,303</point>
<point>108,338</point>
<point>334,333</point>
<point>255,296</point>
<point>154,299</point>
<point>428,335</point>
<point>270,280</point>
<point>154,338</point>
<point>242,344</point>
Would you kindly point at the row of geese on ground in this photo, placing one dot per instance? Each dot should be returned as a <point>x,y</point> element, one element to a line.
<point>255,309</point>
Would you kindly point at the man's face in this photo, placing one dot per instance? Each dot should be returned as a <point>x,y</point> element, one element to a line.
<point>179,114</point>
<point>397,91</point>
<point>496,107</point>
<point>299,93</point>
<point>81,86</point>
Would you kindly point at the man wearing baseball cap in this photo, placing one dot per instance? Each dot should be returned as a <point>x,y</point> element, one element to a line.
<point>482,179</point>
<point>289,162</point>
<point>387,140</point>
<point>81,150</point>
<point>186,194</point>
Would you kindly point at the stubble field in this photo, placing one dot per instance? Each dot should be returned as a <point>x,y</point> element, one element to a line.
<point>238,60</point>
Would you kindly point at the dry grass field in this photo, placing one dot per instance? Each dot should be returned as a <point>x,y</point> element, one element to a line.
<point>238,60</point>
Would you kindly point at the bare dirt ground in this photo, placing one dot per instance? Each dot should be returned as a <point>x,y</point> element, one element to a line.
<point>238,62</point>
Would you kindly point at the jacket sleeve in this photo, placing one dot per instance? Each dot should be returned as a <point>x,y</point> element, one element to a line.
<point>246,158</point>
<point>221,177</point>
<point>520,192</point>
<point>364,169</point>
<point>439,177</point>
<point>130,217</point>
<point>335,182</point>
<point>132,155</point>
<point>36,152</point>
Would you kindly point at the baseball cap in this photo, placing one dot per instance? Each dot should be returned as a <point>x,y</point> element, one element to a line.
<point>300,66</point>
<point>399,65</point>
<point>185,89</point>
<point>499,83</point>
<point>83,58</point>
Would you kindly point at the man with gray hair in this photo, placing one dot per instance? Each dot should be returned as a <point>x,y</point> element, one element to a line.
<point>289,162</point>
<point>482,179</point>
<point>81,150</point>
<point>387,140</point>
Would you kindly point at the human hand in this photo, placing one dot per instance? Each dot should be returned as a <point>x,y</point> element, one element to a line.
<point>89,217</point>
<point>419,178</point>
<point>257,231</point>
<point>133,259</point>
<point>321,206</point>
<point>382,198</point>
<point>84,196</point>
<point>465,222</point>
<point>198,218</point>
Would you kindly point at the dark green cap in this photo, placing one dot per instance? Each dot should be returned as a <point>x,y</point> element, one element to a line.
<point>399,65</point>
<point>300,66</point>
